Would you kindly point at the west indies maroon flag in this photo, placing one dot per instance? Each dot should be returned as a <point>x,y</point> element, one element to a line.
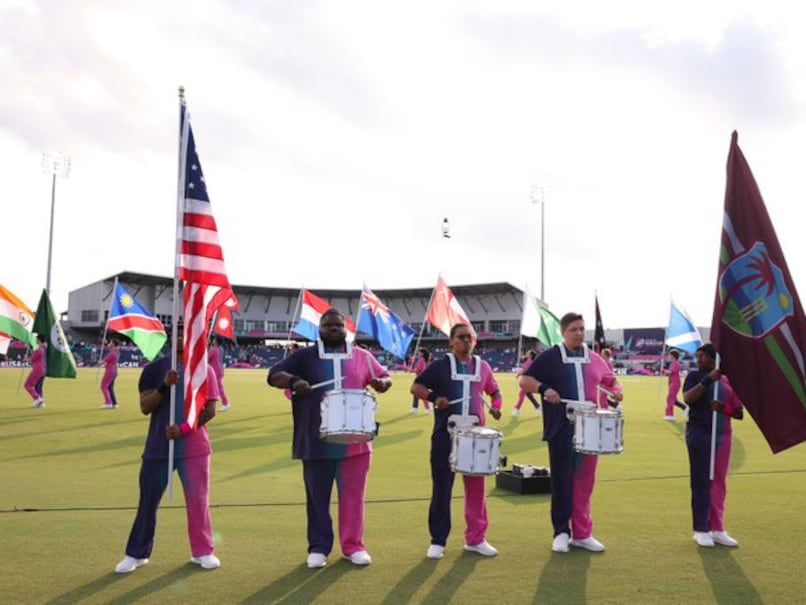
<point>758,326</point>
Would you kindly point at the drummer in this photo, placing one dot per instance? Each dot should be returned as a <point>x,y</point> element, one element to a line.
<point>569,371</point>
<point>324,462</point>
<point>436,385</point>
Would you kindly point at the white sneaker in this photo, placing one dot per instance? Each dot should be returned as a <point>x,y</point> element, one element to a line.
<point>703,538</point>
<point>106,406</point>
<point>413,411</point>
<point>435,551</point>
<point>207,561</point>
<point>38,403</point>
<point>225,408</point>
<point>516,412</point>
<point>129,564</point>
<point>316,559</point>
<point>560,543</point>
<point>359,558</point>
<point>720,537</point>
<point>669,418</point>
<point>590,543</point>
<point>483,548</point>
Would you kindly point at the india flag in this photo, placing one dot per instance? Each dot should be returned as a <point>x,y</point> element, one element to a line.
<point>16,319</point>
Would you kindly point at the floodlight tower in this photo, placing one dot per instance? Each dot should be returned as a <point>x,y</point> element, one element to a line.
<point>538,197</point>
<point>55,163</point>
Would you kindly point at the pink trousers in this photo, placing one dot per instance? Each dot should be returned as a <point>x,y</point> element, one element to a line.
<point>584,479</point>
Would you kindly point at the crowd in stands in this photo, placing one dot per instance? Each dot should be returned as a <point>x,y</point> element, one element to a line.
<point>502,357</point>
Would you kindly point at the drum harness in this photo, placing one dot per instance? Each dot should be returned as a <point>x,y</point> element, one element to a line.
<point>464,420</point>
<point>571,405</point>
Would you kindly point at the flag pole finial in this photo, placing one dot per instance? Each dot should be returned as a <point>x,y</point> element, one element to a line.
<point>181,92</point>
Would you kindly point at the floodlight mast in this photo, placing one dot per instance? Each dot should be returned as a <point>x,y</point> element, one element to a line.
<point>538,197</point>
<point>55,163</point>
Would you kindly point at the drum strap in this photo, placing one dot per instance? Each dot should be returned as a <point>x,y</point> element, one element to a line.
<point>336,356</point>
<point>578,362</point>
<point>466,379</point>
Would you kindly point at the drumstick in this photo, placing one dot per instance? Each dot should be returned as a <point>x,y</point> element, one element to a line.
<point>321,384</point>
<point>605,391</point>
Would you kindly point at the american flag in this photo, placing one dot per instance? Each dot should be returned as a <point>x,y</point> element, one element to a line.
<point>200,264</point>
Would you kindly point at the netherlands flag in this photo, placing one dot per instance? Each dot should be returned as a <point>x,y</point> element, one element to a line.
<point>312,310</point>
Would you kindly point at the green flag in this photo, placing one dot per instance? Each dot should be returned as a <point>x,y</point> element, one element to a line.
<point>549,332</point>
<point>60,361</point>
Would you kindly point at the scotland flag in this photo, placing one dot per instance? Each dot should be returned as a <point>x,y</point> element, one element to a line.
<point>682,333</point>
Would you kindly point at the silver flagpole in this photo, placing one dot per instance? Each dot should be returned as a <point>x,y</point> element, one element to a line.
<point>180,194</point>
<point>713,426</point>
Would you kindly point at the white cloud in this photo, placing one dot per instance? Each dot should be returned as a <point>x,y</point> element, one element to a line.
<point>335,136</point>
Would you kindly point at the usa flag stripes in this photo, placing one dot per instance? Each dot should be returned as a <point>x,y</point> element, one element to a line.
<point>200,264</point>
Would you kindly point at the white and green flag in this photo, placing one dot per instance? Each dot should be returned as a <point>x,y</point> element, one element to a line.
<point>60,361</point>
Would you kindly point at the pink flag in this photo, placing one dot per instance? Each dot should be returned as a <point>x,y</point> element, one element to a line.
<point>444,312</point>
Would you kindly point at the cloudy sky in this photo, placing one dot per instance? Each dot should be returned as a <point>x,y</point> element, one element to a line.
<point>335,136</point>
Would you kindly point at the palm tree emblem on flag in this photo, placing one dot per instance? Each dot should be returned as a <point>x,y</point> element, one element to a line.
<point>754,294</point>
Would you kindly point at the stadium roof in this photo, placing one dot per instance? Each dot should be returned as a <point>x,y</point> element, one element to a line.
<point>145,279</point>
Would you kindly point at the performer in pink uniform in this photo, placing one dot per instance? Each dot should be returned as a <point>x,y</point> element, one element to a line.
<point>529,358</point>
<point>110,363</point>
<point>215,362</point>
<point>706,390</point>
<point>36,379</point>
<point>438,385</point>
<point>423,359</point>
<point>309,374</point>
<point>570,372</point>
<point>673,371</point>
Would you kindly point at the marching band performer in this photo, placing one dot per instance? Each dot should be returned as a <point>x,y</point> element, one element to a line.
<point>707,391</point>
<point>325,462</point>
<point>569,371</point>
<point>437,386</point>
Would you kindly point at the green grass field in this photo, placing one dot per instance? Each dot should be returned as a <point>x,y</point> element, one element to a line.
<point>68,477</point>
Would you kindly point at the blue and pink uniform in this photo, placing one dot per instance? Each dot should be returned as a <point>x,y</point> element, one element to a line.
<point>575,376</point>
<point>191,460</point>
<point>36,379</point>
<point>324,461</point>
<point>110,374</point>
<point>437,378</point>
<point>214,361</point>
<point>708,497</point>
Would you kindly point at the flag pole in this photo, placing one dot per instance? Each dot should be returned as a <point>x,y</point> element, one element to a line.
<point>175,307</point>
<point>358,312</point>
<point>713,426</point>
<point>106,327</point>
<point>422,327</point>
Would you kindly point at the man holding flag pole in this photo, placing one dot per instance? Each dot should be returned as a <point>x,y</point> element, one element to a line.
<point>177,432</point>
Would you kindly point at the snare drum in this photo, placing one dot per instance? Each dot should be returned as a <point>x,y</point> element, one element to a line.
<point>475,451</point>
<point>348,416</point>
<point>598,431</point>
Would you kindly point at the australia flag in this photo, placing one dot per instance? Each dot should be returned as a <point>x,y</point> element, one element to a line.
<point>378,320</point>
